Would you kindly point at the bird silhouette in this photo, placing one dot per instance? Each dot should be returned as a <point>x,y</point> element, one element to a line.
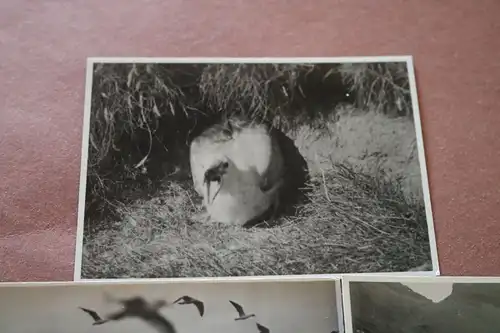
<point>190,300</point>
<point>97,319</point>
<point>241,313</point>
<point>137,307</point>
<point>262,328</point>
<point>244,162</point>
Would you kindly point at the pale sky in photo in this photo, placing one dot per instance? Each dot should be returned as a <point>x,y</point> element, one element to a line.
<point>281,306</point>
<point>435,291</point>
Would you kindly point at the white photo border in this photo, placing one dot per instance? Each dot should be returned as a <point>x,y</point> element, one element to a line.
<point>408,59</point>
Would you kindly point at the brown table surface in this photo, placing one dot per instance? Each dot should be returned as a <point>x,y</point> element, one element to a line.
<point>44,44</point>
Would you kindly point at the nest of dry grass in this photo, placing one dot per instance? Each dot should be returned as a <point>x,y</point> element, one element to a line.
<point>353,222</point>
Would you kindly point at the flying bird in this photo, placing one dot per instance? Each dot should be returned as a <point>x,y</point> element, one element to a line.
<point>190,300</point>
<point>241,313</point>
<point>237,167</point>
<point>139,308</point>
<point>97,319</point>
<point>262,328</point>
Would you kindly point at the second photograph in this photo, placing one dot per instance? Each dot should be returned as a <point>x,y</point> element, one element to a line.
<point>171,307</point>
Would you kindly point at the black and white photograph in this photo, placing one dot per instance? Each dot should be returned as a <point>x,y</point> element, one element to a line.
<point>252,167</point>
<point>421,304</point>
<point>211,307</point>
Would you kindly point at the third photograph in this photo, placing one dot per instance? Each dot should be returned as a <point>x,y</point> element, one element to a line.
<point>442,304</point>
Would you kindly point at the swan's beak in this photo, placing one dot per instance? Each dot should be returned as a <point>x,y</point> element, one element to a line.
<point>208,191</point>
<point>218,189</point>
<point>208,187</point>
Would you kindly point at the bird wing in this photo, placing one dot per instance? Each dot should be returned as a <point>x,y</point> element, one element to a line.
<point>179,299</point>
<point>251,148</point>
<point>255,148</point>
<point>200,306</point>
<point>238,308</point>
<point>92,313</point>
<point>262,328</point>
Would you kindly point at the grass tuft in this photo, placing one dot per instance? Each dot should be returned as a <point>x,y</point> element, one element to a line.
<point>382,87</point>
<point>270,92</point>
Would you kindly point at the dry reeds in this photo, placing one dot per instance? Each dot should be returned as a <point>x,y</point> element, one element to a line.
<point>380,87</point>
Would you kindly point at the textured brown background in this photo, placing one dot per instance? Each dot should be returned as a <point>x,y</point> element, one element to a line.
<point>44,44</point>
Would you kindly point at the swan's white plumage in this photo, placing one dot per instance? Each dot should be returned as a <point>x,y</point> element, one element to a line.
<point>252,182</point>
